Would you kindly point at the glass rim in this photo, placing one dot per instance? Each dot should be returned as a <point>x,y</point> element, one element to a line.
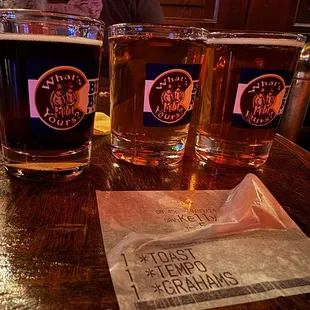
<point>49,16</point>
<point>155,29</point>
<point>227,34</point>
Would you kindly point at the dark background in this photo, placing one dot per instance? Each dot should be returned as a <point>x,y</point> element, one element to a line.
<point>265,15</point>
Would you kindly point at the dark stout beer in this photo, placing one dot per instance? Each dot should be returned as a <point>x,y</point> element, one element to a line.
<point>245,83</point>
<point>48,93</point>
<point>153,88</point>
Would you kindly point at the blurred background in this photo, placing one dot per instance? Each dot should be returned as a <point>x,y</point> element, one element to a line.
<point>269,15</point>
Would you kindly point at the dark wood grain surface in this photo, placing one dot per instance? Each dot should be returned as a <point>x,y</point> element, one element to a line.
<point>259,15</point>
<point>210,14</point>
<point>52,253</point>
<point>279,15</point>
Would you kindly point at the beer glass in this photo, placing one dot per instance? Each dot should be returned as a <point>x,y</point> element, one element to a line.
<point>49,70</point>
<point>245,81</point>
<point>154,74</point>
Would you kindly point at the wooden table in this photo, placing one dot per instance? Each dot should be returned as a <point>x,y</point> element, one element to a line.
<point>52,254</point>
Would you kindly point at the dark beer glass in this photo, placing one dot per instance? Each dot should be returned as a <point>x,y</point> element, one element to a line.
<point>49,70</point>
<point>245,81</point>
<point>154,74</point>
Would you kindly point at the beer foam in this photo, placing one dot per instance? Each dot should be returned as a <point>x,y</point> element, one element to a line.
<point>255,41</point>
<point>49,38</point>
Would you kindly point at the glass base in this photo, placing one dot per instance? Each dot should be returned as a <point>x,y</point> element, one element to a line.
<point>61,167</point>
<point>148,153</point>
<point>232,153</point>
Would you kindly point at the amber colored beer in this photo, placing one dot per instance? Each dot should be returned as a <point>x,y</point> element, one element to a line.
<point>245,82</point>
<point>153,86</point>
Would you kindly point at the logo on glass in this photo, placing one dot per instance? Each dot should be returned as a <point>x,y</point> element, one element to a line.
<point>171,95</point>
<point>59,95</point>
<point>262,99</point>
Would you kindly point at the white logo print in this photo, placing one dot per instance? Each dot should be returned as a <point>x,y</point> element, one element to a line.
<point>171,95</point>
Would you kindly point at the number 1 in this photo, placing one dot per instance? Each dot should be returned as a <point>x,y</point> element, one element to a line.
<point>135,289</point>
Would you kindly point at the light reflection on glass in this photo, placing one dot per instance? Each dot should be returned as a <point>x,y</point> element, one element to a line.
<point>171,35</point>
<point>193,182</point>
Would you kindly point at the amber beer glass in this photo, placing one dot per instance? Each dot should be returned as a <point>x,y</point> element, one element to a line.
<point>49,69</point>
<point>246,79</point>
<point>154,74</point>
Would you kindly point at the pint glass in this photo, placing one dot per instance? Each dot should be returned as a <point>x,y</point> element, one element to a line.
<point>49,68</point>
<point>246,79</point>
<point>154,74</point>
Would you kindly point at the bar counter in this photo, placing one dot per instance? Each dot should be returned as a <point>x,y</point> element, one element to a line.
<point>52,254</point>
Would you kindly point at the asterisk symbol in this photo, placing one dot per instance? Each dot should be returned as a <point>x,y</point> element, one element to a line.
<point>150,272</point>
<point>157,288</point>
<point>143,259</point>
